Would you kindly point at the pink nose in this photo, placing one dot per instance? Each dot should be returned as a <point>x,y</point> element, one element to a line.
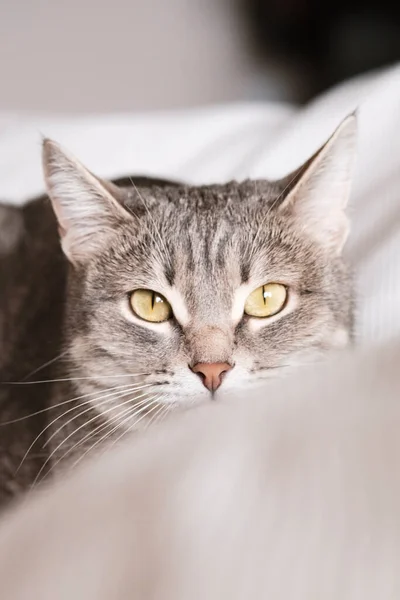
<point>211,374</point>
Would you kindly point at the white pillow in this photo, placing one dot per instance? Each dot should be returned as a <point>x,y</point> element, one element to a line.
<point>237,141</point>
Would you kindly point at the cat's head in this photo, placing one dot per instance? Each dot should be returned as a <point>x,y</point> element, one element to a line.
<point>195,291</point>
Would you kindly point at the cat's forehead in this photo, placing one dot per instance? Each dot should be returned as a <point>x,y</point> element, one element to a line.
<point>201,200</point>
<point>204,224</point>
<point>215,231</point>
<point>206,253</point>
<point>206,242</point>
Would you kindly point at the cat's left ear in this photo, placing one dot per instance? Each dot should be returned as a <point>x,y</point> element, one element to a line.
<point>319,190</point>
<point>88,209</point>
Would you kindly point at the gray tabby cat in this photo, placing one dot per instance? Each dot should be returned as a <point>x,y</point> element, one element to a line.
<point>163,296</point>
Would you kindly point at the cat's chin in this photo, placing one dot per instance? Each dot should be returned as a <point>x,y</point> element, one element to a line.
<point>238,381</point>
<point>187,399</point>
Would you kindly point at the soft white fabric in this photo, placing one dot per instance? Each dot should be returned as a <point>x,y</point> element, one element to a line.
<point>237,141</point>
<point>292,494</point>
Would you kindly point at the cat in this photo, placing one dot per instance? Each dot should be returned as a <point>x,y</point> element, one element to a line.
<point>161,296</point>
<point>289,491</point>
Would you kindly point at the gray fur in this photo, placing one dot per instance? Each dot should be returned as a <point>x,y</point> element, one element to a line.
<point>201,243</point>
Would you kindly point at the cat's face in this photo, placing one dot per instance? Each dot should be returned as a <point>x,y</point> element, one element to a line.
<point>195,291</point>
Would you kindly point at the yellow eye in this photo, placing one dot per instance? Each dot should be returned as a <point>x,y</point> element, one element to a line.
<point>150,306</point>
<point>266,301</point>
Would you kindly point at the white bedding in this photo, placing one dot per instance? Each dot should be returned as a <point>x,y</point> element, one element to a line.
<point>251,140</point>
<point>291,494</point>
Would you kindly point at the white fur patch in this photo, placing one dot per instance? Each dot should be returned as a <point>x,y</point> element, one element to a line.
<point>239,300</point>
<point>178,304</point>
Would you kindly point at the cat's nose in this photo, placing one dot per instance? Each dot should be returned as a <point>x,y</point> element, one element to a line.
<point>211,374</point>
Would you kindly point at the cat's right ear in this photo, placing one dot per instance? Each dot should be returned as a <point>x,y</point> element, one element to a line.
<point>316,195</point>
<point>87,208</point>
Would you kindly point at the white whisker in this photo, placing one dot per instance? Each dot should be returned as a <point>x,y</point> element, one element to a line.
<point>156,416</point>
<point>100,414</point>
<point>104,400</point>
<point>74,379</point>
<point>105,425</point>
<point>46,364</point>
<point>90,401</point>
<point>96,430</point>
<point>144,404</point>
<point>113,419</point>
<point>53,406</point>
<point>129,429</point>
<point>154,400</point>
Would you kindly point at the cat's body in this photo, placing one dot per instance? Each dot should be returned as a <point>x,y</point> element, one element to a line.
<point>162,296</point>
<point>292,491</point>
<point>33,283</point>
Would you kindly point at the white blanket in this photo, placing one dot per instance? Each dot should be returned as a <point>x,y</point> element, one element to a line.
<point>292,494</point>
<point>251,140</point>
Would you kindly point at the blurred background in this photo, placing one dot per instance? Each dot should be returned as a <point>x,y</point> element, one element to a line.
<point>124,55</point>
